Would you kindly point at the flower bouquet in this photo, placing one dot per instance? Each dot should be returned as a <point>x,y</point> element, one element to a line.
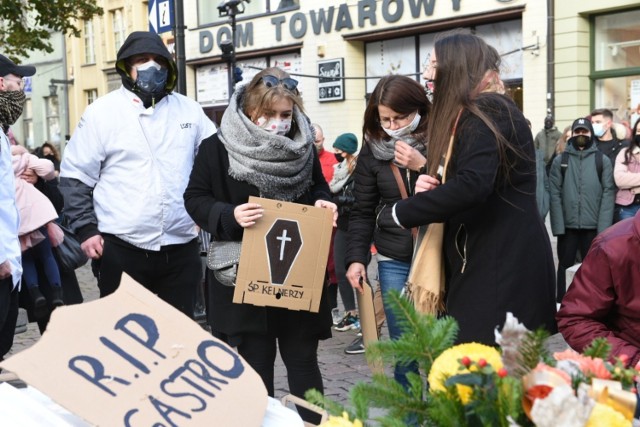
<point>517,383</point>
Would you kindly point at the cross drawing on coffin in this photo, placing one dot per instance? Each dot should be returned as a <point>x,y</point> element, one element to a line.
<point>284,243</point>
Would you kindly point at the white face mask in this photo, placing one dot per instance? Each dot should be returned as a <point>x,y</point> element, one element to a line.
<point>274,126</point>
<point>404,131</point>
<point>598,129</point>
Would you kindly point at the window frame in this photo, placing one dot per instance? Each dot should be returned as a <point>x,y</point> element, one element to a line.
<point>595,76</point>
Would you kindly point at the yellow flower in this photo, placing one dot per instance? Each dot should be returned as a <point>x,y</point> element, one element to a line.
<point>603,415</point>
<point>447,365</point>
<point>342,421</point>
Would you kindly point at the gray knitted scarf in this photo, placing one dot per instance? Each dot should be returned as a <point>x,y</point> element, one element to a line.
<point>279,166</point>
<point>385,149</point>
<point>11,105</point>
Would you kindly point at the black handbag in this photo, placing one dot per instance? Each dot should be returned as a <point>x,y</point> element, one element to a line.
<point>69,253</point>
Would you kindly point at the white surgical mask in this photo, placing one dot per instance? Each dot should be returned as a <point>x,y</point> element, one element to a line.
<point>404,131</point>
<point>275,126</point>
<point>598,129</point>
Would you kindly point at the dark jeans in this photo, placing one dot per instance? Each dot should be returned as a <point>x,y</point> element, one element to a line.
<point>300,357</point>
<point>173,273</point>
<point>43,255</point>
<point>339,253</point>
<point>393,276</point>
<point>572,242</point>
<point>8,314</point>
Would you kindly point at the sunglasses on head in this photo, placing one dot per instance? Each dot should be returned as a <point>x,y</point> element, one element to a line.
<point>272,81</point>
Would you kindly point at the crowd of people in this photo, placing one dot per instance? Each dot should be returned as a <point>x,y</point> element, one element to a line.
<point>456,152</point>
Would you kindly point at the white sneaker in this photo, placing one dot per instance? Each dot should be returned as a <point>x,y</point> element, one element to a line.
<point>336,316</point>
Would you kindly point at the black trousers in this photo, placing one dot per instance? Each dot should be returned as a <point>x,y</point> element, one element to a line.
<point>300,357</point>
<point>572,242</point>
<point>8,315</point>
<point>173,273</point>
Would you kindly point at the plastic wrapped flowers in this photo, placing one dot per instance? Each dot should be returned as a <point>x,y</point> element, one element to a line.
<point>516,383</point>
<point>569,389</point>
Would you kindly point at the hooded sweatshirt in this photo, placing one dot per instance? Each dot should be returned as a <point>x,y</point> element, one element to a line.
<point>144,42</point>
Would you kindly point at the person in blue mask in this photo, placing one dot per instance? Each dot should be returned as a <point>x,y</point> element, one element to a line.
<point>124,172</point>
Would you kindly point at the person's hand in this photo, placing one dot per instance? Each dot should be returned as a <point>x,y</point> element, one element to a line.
<point>30,176</point>
<point>408,157</point>
<point>93,247</point>
<point>426,183</point>
<point>328,205</point>
<point>5,270</point>
<point>247,214</point>
<point>357,275</point>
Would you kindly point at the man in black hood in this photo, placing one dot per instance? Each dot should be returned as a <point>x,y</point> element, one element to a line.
<point>146,67</point>
<point>125,170</point>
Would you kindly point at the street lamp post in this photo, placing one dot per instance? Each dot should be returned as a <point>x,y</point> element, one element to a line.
<point>231,8</point>
<point>53,90</point>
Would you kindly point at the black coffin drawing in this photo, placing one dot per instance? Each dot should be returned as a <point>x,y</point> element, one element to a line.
<point>284,242</point>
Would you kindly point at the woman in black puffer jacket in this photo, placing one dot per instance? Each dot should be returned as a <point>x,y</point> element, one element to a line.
<point>394,133</point>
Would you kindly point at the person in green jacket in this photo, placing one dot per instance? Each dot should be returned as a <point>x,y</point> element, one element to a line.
<point>547,138</point>
<point>582,193</point>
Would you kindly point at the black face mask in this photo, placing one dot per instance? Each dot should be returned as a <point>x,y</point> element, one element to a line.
<point>637,139</point>
<point>339,157</point>
<point>581,140</point>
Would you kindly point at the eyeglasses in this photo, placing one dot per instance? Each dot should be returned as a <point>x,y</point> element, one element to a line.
<point>19,81</point>
<point>399,121</point>
<point>272,81</point>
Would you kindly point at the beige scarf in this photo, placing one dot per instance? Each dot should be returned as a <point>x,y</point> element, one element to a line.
<point>425,285</point>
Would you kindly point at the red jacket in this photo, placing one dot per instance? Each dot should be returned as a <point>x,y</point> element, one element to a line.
<point>327,160</point>
<point>604,298</point>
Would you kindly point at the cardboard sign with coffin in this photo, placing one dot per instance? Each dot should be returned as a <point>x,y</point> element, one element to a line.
<point>132,359</point>
<point>284,256</point>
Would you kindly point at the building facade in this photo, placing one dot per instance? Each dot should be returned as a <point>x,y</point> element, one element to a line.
<point>44,118</point>
<point>338,49</point>
<point>597,59</point>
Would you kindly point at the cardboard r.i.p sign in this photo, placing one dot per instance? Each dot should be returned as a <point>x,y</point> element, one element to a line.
<point>131,359</point>
<point>283,260</point>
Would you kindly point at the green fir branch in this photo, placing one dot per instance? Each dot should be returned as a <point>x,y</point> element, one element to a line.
<point>599,348</point>
<point>533,351</point>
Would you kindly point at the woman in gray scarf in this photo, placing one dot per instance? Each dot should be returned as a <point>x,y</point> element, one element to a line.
<point>264,147</point>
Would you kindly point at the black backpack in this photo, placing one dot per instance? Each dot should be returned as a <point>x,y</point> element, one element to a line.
<point>564,164</point>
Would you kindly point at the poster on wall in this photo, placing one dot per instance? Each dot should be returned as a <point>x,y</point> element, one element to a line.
<point>331,82</point>
<point>212,84</point>
<point>250,67</point>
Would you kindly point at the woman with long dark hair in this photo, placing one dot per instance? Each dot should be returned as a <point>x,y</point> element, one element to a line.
<point>626,173</point>
<point>264,147</point>
<point>395,123</point>
<point>497,252</point>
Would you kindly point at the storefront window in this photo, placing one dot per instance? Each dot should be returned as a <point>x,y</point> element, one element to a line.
<point>408,55</point>
<point>617,41</point>
<point>616,64</point>
<point>621,95</point>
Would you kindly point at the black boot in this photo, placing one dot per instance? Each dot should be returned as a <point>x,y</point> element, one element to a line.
<point>39,302</point>
<point>56,296</point>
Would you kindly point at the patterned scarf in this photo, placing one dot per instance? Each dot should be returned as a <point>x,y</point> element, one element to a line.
<point>11,105</point>
<point>279,166</point>
<point>385,149</point>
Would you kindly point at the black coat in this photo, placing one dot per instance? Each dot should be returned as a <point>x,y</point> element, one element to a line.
<point>210,198</point>
<point>497,250</point>
<point>376,187</point>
